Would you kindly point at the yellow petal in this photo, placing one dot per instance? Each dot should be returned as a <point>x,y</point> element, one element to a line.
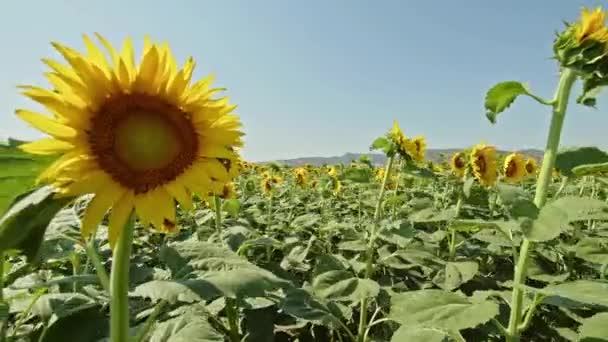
<point>213,151</point>
<point>47,146</point>
<point>215,169</point>
<point>109,48</point>
<point>144,206</point>
<point>119,216</point>
<point>178,191</point>
<point>147,73</point>
<point>46,124</point>
<point>164,206</point>
<point>54,103</point>
<point>97,55</point>
<point>87,184</point>
<point>127,54</point>
<point>99,206</point>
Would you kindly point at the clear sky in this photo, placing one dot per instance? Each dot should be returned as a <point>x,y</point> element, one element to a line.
<point>324,77</point>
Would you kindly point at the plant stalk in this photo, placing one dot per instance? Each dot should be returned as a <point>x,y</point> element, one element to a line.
<point>119,284</point>
<point>233,319</point>
<point>369,255</point>
<point>217,203</point>
<point>567,79</point>
<point>91,250</point>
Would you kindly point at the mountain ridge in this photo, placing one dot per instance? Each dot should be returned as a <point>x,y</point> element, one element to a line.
<point>434,155</point>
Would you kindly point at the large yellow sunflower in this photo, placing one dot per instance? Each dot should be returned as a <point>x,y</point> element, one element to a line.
<point>399,139</point>
<point>458,164</point>
<point>514,168</point>
<point>135,136</point>
<point>301,175</point>
<point>483,163</point>
<point>592,26</point>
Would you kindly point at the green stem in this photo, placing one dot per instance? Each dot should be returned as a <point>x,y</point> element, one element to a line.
<point>564,88</point>
<point>233,319</point>
<point>530,312</point>
<point>119,284</point>
<point>452,247</point>
<point>94,257</point>
<point>145,329</point>
<point>369,255</point>
<point>217,203</point>
<point>2,259</point>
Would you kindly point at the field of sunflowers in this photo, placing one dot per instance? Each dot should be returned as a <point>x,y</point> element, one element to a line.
<point>137,220</point>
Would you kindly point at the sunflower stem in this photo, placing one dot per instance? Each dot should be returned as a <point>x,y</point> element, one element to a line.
<point>2,260</point>
<point>217,203</point>
<point>119,284</point>
<point>567,79</point>
<point>102,274</point>
<point>232,312</point>
<point>369,255</point>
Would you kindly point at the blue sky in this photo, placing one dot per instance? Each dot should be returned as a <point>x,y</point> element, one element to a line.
<point>326,77</point>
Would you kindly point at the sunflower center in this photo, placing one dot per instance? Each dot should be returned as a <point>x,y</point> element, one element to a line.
<point>142,141</point>
<point>511,169</point>
<point>529,167</point>
<point>459,163</point>
<point>481,164</point>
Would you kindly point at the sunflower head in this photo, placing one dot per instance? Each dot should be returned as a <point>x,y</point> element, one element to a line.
<point>336,187</point>
<point>301,176</point>
<point>332,171</point>
<point>514,168</point>
<point>458,164</point>
<point>269,183</point>
<point>228,191</point>
<point>416,148</point>
<point>531,166</point>
<point>379,176</point>
<point>483,164</point>
<point>399,139</point>
<point>137,136</point>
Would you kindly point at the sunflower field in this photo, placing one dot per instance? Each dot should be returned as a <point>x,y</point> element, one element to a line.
<point>137,220</point>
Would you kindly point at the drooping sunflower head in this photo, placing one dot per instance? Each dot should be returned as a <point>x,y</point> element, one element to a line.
<point>592,26</point>
<point>483,164</point>
<point>531,167</point>
<point>137,136</point>
<point>458,164</point>
<point>416,148</point>
<point>228,191</point>
<point>269,183</point>
<point>301,176</point>
<point>514,168</point>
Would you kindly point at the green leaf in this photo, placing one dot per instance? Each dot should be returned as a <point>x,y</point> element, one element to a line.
<point>500,97</point>
<point>186,328</point>
<point>593,250</point>
<point>409,333</point>
<point>595,328</point>
<point>60,304</point>
<point>440,309</point>
<point>590,169</point>
<point>232,206</point>
<point>549,224</point>
<point>581,291</point>
<point>510,194</point>
<point>567,159</point>
<point>24,224</point>
<point>342,285</point>
<point>582,208</point>
<point>259,324</point>
<point>301,304</point>
<point>379,143</point>
<point>306,221</point>
<point>358,175</point>
<point>187,291</point>
<point>456,274</point>
<point>467,186</point>
<point>18,171</point>
<point>416,171</point>
<point>89,324</point>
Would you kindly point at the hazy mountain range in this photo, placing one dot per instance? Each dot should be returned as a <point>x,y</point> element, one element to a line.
<point>435,155</point>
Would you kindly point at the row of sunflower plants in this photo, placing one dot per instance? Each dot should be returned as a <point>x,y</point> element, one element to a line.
<point>137,220</point>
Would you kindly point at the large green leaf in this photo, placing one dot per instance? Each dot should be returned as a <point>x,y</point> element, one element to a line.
<point>568,159</point>
<point>549,224</point>
<point>456,274</point>
<point>190,327</point>
<point>90,324</point>
<point>342,285</point>
<point>440,309</point>
<point>501,96</point>
<point>593,250</point>
<point>581,291</point>
<point>582,208</point>
<point>24,224</point>
<point>187,291</point>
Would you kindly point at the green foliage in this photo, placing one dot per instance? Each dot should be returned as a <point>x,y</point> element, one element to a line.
<point>569,159</point>
<point>501,96</point>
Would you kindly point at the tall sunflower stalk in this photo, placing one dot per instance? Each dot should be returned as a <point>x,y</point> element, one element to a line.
<point>582,51</point>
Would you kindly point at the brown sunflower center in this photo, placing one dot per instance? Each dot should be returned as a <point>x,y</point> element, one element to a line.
<point>142,141</point>
<point>459,162</point>
<point>511,169</point>
<point>481,164</point>
<point>529,167</point>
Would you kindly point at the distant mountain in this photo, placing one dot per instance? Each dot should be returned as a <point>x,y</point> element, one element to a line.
<point>435,155</point>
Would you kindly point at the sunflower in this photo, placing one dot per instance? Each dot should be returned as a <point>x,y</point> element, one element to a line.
<point>228,191</point>
<point>269,183</point>
<point>336,187</point>
<point>416,148</point>
<point>483,162</point>
<point>458,164</point>
<point>514,168</point>
<point>592,26</point>
<point>135,136</point>
<point>531,166</point>
<point>301,175</point>
<point>399,139</point>
<point>332,171</point>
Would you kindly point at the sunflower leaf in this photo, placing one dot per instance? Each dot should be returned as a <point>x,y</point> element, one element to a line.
<point>501,96</point>
<point>568,159</point>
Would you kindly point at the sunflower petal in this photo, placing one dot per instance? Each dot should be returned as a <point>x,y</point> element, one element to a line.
<point>46,124</point>
<point>98,207</point>
<point>109,48</point>
<point>96,55</point>
<point>179,192</point>
<point>119,216</point>
<point>47,146</point>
